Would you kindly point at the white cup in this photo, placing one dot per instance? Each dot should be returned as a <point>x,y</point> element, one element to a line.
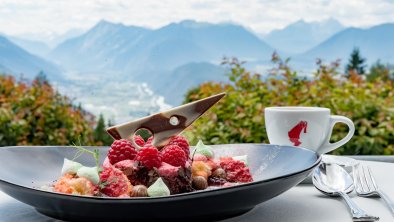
<point>307,127</point>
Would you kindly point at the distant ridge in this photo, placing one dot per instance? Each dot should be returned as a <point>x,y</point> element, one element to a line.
<point>130,49</point>
<point>374,43</point>
<point>17,61</point>
<point>301,36</point>
<point>34,47</point>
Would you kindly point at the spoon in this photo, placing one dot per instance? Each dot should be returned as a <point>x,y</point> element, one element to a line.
<point>333,180</point>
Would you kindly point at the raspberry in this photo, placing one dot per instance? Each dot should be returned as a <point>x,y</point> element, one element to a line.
<point>121,150</point>
<point>139,140</point>
<point>149,157</point>
<point>182,142</point>
<point>174,155</point>
<point>149,141</point>
<point>114,183</point>
<point>236,170</point>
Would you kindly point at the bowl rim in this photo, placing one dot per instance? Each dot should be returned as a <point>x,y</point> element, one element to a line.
<point>173,197</point>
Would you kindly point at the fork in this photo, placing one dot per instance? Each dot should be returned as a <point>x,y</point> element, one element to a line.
<point>366,186</point>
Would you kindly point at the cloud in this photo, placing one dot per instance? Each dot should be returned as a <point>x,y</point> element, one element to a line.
<point>46,17</point>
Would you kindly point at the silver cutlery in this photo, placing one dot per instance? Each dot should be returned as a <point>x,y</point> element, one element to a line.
<point>333,180</point>
<point>366,185</point>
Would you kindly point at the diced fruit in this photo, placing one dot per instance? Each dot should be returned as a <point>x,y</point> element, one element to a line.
<point>121,150</point>
<point>200,168</point>
<point>114,183</point>
<point>149,157</point>
<point>236,171</point>
<point>73,185</point>
<point>174,155</point>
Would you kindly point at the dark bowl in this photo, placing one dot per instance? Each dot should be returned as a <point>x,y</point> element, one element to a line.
<point>275,169</point>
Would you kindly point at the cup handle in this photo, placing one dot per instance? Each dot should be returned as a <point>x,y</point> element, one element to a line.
<point>327,146</point>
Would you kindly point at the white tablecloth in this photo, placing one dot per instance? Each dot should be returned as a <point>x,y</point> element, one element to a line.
<point>301,203</point>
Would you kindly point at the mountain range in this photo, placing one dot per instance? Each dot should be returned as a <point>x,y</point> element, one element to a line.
<point>17,61</point>
<point>32,46</point>
<point>178,56</point>
<point>375,43</point>
<point>129,49</point>
<point>301,36</point>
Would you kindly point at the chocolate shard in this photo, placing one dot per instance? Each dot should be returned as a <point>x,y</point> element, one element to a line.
<point>166,124</point>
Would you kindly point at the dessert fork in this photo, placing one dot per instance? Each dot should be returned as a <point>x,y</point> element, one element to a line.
<point>366,186</point>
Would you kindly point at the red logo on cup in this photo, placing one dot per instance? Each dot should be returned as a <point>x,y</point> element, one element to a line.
<point>294,133</point>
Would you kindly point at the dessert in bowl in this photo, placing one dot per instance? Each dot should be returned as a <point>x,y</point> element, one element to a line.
<point>274,168</point>
<point>146,171</point>
<point>161,179</point>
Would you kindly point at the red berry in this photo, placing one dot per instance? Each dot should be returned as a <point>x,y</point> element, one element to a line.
<point>236,171</point>
<point>174,155</point>
<point>139,140</point>
<point>114,183</point>
<point>149,157</point>
<point>182,142</point>
<point>121,150</point>
<point>149,141</point>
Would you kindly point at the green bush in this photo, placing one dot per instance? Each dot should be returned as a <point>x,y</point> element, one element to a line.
<point>33,113</point>
<point>239,117</point>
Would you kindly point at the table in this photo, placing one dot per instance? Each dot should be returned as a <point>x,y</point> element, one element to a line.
<point>301,203</point>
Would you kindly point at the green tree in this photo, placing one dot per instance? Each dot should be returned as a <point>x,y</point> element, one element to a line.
<point>239,116</point>
<point>356,63</point>
<point>33,113</point>
<point>41,78</point>
<point>100,135</point>
<point>379,70</point>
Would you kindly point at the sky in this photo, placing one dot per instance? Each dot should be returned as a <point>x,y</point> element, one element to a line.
<point>48,18</point>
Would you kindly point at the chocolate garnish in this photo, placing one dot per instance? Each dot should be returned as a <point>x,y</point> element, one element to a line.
<point>114,133</point>
<point>166,124</point>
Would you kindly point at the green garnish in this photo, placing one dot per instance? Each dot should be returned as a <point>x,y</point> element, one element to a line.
<point>81,150</point>
<point>103,184</point>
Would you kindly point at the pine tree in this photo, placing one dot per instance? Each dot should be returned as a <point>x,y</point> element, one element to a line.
<point>100,135</point>
<point>41,79</point>
<point>356,63</point>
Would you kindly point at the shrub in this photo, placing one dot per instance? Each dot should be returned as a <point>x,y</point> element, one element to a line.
<point>239,117</point>
<point>33,113</point>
